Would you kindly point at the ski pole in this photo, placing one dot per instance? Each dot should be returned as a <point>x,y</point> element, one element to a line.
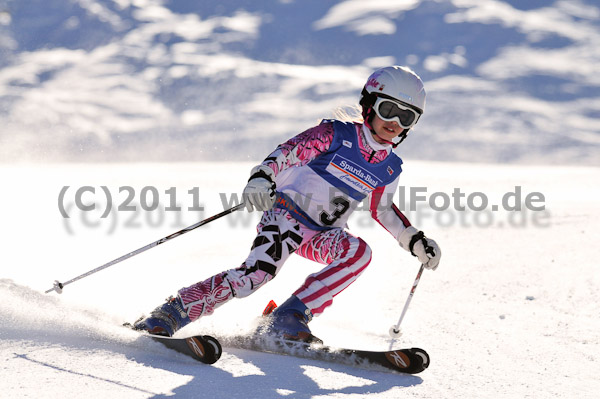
<point>58,286</point>
<point>395,329</point>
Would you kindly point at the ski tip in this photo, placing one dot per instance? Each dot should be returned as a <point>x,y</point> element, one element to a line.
<point>215,351</point>
<point>423,355</point>
<point>205,348</point>
<point>410,361</point>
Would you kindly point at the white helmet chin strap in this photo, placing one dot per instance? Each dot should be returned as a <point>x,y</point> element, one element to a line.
<point>402,136</point>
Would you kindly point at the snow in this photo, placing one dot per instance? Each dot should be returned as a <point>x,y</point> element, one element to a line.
<point>176,101</point>
<point>365,18</point>
<point>511,312</point>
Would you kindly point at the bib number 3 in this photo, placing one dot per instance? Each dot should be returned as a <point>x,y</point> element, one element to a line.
<point>341,206</point>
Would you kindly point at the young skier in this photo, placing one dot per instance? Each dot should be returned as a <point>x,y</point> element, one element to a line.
<point>307,189</point>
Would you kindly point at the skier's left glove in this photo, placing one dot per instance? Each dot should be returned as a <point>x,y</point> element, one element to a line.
<point>424,248</point>
<point>259,193</point>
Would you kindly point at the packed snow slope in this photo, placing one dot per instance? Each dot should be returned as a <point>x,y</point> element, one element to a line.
<point>512,311</point>
<point>147,80</point>
<point>119,105</point>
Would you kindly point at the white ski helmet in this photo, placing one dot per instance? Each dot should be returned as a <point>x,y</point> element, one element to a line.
<point>397,83</point>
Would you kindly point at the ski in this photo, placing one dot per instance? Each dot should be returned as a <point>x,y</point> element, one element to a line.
<point>200,347</point>
<point>203,348</point>
<point>208,350</point>
<point>409,361</point>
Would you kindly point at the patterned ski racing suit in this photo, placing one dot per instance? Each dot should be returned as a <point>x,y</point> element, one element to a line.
<point>322,175</point>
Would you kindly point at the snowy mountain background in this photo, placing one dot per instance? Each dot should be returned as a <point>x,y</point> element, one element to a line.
<point>147,94</point>
<point>159,80</point>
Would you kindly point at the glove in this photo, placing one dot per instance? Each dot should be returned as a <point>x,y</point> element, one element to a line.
<point>259,193</point>
<point>425,249</point>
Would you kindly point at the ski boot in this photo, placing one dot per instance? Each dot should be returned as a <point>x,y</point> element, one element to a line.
<point>164,320</point>
<point>290,321</point>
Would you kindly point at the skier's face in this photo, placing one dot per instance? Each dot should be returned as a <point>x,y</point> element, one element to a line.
<point>385,132</point>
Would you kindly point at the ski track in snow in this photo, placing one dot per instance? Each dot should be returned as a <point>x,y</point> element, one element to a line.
<point>511,312</point>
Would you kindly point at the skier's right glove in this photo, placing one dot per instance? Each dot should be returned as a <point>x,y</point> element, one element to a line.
<point>259,193</point>
<point>424,248</point>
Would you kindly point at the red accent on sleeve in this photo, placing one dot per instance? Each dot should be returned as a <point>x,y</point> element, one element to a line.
<point>404,219</point>
<point>376,199</point>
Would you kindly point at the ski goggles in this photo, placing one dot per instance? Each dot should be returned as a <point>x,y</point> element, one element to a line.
<point>389,110</point>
